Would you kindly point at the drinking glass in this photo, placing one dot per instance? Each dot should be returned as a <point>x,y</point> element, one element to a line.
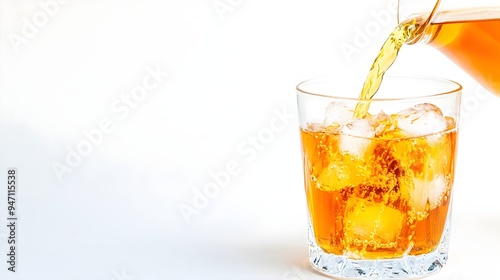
<point>379,188</point>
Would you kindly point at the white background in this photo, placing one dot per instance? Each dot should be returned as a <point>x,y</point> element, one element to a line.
<point>116,215</point>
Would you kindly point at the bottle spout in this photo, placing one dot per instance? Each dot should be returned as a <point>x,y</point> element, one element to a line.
<point>426,9</point>
<point>417,15</point>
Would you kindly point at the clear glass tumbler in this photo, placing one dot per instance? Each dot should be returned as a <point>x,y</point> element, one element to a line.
<point>379,189</point>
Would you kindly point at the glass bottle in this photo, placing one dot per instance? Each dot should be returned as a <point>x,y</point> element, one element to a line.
<point>466,31</point>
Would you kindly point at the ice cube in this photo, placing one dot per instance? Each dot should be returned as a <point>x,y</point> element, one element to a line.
<point>381,122</point>
<point>372,223</point>
<point>450,122</point>
<point>419,196</point>
<point>428,192</point>
<point>437,190</point>
<point>421,119</point>
<point>343,172</point>
<point>337,114</point>
<point>355,137</point>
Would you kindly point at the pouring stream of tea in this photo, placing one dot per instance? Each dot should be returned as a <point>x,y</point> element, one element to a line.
<point>404,32</point>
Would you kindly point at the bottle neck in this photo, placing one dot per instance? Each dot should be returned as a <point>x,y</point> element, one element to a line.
<point>422,36</point>
<point>419,21</point>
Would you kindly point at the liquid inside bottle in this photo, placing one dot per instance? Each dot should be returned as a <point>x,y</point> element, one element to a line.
<point>470,38</point>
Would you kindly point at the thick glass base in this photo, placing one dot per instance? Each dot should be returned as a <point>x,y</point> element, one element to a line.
<point>407,267</point>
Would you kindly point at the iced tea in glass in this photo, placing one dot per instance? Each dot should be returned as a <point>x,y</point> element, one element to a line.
<point>379,188</point>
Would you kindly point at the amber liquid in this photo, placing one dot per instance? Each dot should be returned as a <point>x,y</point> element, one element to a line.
<point>391,201</point>
<point>385,58</point>
<point>471,39</point>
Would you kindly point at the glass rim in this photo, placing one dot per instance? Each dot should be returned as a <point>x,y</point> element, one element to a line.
<point>458,88</point>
